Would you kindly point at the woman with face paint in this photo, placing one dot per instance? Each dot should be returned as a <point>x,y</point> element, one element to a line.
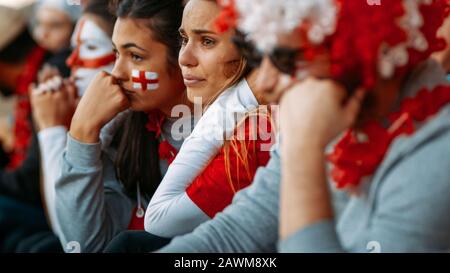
<point>113,161</point>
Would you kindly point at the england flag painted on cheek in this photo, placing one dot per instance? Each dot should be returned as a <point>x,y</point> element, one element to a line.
<point>144,80</point>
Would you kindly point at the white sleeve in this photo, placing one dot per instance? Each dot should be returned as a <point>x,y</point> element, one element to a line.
<point>171,212</point>
<point>52,142</point>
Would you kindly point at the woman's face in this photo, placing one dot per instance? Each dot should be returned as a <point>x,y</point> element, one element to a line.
<point>208,60</point>
<point>53,29</point>
<point>137,51</point>
<point>92,51</point>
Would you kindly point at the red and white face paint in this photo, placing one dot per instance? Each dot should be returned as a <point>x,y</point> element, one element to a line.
<point>145,80</point>
<point>93,53</point>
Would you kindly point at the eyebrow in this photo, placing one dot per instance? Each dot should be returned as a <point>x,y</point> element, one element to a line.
<point>130,45</point>
<point>198,31</point>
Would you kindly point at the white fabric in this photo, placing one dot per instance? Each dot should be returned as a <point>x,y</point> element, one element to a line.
<point>171,212</point>
<point>84,76</point>
<point>52,142</point>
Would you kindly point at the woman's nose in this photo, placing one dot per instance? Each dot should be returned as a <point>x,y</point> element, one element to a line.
<point>119,72</point>
<point>187,57</point>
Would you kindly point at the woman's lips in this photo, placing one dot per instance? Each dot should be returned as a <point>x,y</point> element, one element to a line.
<point>129,93</point>
<point>192,81</point>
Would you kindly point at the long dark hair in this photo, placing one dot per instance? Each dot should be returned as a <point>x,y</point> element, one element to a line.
<point>138,159</point>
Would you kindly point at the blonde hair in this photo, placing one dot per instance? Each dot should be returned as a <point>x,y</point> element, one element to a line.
<point>240,74</point>
<point>234,144</point>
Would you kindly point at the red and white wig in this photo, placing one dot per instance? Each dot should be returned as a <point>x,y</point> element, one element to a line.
<point>368,39</point>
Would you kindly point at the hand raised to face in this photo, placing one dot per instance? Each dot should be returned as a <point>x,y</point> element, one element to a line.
<point>53,102</point>
<point>103,100</point>
<point>314,112</point>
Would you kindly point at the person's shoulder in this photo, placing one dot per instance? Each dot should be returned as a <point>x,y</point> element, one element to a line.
<point>237,98</point>
<point>424,157</point>
<point>428,74</point>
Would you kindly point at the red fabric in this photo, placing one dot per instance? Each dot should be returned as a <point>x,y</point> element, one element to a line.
<point>354,159</point>
<point>136,223</point>
<point>22,126</point>
<point>167,151</point>
<point>211,190</point>
<point>155,122</point>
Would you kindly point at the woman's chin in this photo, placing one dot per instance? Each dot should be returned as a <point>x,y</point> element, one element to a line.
<point>140,107</point>
<point>194,95</point>
<point>136,107</point>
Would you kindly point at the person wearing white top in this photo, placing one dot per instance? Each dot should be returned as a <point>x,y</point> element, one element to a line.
<point>217,73</point>
<point>171,212</point>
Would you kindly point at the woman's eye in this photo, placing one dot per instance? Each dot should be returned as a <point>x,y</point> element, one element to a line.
<point>116,53</point>
<point>184,41</point>
<point>208,42</point>
<point>136,58</point>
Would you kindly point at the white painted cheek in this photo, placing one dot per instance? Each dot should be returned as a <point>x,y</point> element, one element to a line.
<point>93,36</point>
<point>84,77</point>
<point>101,49</point>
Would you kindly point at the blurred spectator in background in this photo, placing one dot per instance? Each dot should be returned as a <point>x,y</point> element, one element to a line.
<point>20,60</point>
<point>93,52</point>
<point>53,25</point>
